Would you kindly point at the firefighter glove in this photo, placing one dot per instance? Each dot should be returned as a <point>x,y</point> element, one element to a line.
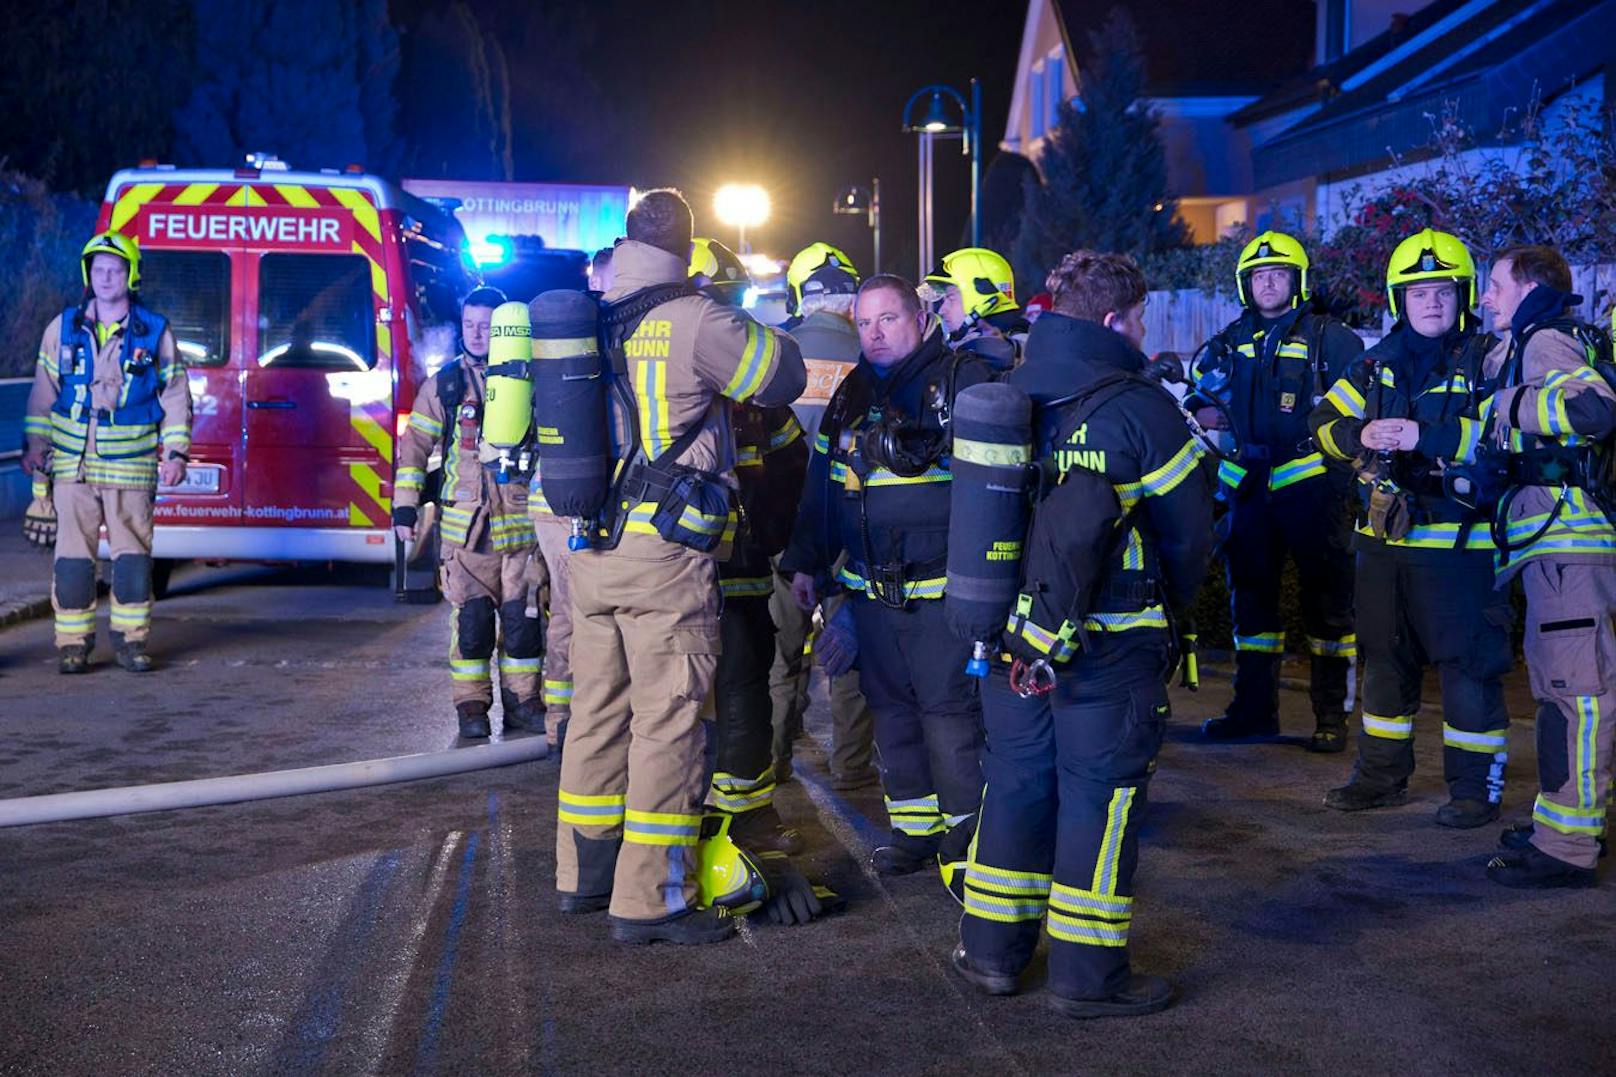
<point>39,522</point>
<point>837,646</point>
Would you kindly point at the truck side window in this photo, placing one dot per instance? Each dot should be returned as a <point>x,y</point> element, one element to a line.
<point>192,290</point>
<point>316,312</point>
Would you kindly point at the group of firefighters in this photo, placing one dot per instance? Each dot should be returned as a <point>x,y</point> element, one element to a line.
<point>749,523</point>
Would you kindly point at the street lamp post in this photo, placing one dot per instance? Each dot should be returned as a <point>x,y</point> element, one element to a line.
<point>937,123</point>
<point>742,206</point>
<point>853,201</point>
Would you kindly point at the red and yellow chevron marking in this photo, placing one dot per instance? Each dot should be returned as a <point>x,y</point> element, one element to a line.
<point>372,504</point>
<point>370,498</point>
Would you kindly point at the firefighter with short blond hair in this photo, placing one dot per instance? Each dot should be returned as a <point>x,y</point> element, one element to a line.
<point>108,418</point>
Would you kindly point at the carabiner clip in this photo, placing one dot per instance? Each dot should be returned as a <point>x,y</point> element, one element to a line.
<point>1037,679</point>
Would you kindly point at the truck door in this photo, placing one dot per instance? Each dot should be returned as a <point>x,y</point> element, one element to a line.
<point>314,452</point>
<point>192,290</point>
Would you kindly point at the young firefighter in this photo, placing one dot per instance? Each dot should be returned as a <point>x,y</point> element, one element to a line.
<point>109,415</point>
<point>1425,567</point>
<point>1268,368</point>
<point>488,540</point>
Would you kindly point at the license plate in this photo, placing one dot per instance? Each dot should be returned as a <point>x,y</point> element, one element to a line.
<point>199,479</point>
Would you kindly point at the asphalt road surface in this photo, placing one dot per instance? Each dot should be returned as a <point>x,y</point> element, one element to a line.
<point>412,928</point>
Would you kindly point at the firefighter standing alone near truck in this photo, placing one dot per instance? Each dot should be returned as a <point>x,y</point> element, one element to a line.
<point>109,415</point>
<point>646,636</point>
<point>1267,369</point>
<point>488,540</point>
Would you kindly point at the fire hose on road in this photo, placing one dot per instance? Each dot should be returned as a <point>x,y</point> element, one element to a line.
<point>238,788</point>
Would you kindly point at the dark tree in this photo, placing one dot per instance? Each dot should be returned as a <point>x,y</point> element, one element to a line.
<point>309,81</point>
<point>91,87</point>
<point>457,97</point>
<point>1104,172</point>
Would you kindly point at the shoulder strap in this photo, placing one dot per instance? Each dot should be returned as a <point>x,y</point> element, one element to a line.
<point>619,319</point>
<point>451,393</point>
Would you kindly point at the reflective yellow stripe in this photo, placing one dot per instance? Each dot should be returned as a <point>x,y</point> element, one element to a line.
<point>1163,480</point>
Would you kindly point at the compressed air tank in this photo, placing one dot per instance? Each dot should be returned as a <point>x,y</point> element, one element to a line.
<point>570,409</point>
<point>508,395</point>
<point>989,509</point>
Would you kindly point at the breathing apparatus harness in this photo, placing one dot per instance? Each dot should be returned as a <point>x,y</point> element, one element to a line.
<point>674,488</point>
<point>1498,475</point>
<point>1034,674</point>
<point>901,444</point>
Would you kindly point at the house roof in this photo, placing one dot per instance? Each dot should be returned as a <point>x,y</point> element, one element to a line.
<point>1193,48</point>
<point>1487,59</point>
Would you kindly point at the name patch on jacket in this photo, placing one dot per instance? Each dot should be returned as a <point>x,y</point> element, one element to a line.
<point>653,339</point>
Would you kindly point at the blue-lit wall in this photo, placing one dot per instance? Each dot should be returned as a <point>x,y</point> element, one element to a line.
<point>571,216</point>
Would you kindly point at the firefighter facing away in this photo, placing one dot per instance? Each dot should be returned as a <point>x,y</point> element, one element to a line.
<point>1424,584</point>
<point>1267,370</point>
<point>488,541</point>
<point>1075,721</point>
<point>108,417</point>
<point>646,635</point>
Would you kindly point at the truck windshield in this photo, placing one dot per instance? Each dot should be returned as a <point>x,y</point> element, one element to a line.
<point>315,312</point>
<point>192,290</point>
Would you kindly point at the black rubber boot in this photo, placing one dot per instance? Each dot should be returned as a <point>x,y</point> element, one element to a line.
<point>473,720</point>
<point>763,830</point>
<point>1466,814</point>
<point>578,904</point>
<point>689,928</point>
<point>1359,796</point>
<point>1232,727</point>
<point>896,860</point>
<point>1144,994</point>
<point>1328,738</point>
<point>989,983</point>
<point>1533,869</point>
<point>133,657</point>
<point>524,717</point>
<point>74,659</point>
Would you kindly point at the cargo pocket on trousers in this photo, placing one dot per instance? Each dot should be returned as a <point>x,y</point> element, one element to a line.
<point>1563,658</point>
<point>693,658</point>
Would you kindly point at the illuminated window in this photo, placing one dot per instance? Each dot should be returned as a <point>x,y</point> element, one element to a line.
<point>315,311</point>
<point>192,290</point>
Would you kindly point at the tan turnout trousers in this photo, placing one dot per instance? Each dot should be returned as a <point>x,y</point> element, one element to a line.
<point>633,774</point>
<point>1571,657</point>
<point>553,535</point>
<point>81,510</point>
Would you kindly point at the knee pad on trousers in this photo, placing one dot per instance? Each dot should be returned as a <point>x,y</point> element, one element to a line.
<point>1553,764</point>
<point>475,628</point>
<point>597,863</point>
<point>524,635</point>
<point>75,582</point>
<point>131,577</point>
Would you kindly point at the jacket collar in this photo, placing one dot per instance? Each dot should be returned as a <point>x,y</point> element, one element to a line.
<point>1541,304</point>
<point>639,265</point>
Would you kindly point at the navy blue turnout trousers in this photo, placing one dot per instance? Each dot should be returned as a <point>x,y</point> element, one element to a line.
<point>1058,832</point>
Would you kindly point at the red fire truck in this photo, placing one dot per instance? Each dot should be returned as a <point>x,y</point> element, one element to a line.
<point>309,306</point>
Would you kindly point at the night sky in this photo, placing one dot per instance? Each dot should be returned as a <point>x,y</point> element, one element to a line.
<point>802,98</point>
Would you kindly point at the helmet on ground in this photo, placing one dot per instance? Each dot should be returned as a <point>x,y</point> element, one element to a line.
<point>1272,249</point>
<point>1430,255</point>
<point>725,272</point>
<point>986,284</point>
<point>114,243</point>
<point>820,269</point>
<point>728,877</point>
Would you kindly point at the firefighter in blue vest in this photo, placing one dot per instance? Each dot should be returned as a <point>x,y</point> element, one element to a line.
<point>1261,376</point>
<point>878,490</point>
<point>488,538</point>
<point>1118,543</point>
<point>1425,596</point>
<point>108,418</point>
